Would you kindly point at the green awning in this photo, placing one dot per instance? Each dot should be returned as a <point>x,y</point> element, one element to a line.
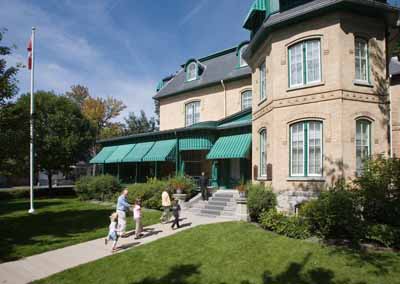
<point>231,147</point>
<point>120,153</point>
<point>195,143</point>
<point>103,155</point>
<point>242,120</point>
<point>138,152</point>
<point>161,151</point>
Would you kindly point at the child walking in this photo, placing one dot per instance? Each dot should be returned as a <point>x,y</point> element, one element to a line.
<point>176,208</point>
<point>112,232</point>
<point>137,216</point>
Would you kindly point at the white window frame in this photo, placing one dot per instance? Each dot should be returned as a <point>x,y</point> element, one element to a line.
<point>304,63</point>
<point>192,106</point>
<point>306,152</point>
<point>360,58</point>
<point>243,94</point>
<point>368,123</point>
<point>242,62</point>
<point>263,153</point>
<point>189,76</point>
<point>263,82</point>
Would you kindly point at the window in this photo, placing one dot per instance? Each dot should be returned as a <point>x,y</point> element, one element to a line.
<point>305,63</point>
<point>306,148</point>
<point>192,113</point>
<point>361,60</point>
<point>263,83</point>
<point>363,143</point>
<point>263,153</point>
<point>191,71</point>
<point>242,62</point>
<point>246,99</point>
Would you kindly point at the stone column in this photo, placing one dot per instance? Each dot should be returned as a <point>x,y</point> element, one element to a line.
<point>241,209</point>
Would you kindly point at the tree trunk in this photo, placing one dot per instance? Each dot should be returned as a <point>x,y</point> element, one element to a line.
<point>49,178</point>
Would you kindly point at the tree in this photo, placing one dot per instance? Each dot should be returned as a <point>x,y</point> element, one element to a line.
<point>78,94</point>
<point>63,135</point>
<point>139,124</point>
<point>8,81</point>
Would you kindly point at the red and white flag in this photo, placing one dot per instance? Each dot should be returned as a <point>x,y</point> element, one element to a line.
<point>30,54</point>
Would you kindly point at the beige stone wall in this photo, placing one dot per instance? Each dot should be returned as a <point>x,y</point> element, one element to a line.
<point>395,94</point>
<point>172,109</point>
<point>336,101</point>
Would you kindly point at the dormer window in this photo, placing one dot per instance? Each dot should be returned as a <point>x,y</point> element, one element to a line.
<point>191,71</point>
<point>242,62</point>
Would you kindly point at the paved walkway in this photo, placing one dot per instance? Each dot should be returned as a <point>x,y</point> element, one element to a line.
<point>42,265</point>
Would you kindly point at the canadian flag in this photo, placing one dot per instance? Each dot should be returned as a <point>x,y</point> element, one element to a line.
<point>30,54</point>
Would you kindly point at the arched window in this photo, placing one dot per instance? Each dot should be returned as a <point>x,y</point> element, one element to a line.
<point>192,113</point>
<point>242,62</point>
<point>361,60</point>
<point>263,153</point>
<point>191,71</point>
<point>305,63</point>
<point>363,143</point>
<point>263,82</point>
<point>246,99</point>
<point>306,148</point>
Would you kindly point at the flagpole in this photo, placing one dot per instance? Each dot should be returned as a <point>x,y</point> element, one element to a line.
<point>32,170</point>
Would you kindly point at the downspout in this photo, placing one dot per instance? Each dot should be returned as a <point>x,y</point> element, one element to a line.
<point>223,86</point>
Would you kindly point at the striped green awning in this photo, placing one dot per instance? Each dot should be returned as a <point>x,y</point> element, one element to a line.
<point>161,151</point>
<point>103,155</point>
<point>231,147</point>
<point>138,152</point>
<point>120,153</point>
<point>195,143</point>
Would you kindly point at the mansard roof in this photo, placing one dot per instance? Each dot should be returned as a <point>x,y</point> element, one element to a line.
<point>219,66</point>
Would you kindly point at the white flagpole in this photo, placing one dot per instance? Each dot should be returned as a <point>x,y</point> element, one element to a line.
<point>32,171</point>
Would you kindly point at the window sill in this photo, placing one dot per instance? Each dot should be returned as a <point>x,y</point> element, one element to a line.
<point>312,85</point>
<point>262,101</point>
<point>362,84</point>
<point>318,179</point>
<point>264,179</point>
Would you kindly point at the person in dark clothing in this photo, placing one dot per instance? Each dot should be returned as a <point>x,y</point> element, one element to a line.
<point>176,208</point>
<point>203,186</point>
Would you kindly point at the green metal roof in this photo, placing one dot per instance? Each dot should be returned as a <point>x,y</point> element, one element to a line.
<point>237,121</point>
<point>257,6</point>
<point>231,147</point>
<point>102,156</point>
<point>161,151</point>
<point>195,143</point>
<point>138,152</point>
<point>119,154</point>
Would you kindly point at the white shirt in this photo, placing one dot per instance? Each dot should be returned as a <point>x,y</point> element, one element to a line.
<point>165,201</point>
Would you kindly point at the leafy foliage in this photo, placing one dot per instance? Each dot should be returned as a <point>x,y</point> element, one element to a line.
<point>386,235</point>
<point>334,215</point>
<point>290,226</point>
<point>259,199</point>
<point>139,124</point>
<point>103,188</point>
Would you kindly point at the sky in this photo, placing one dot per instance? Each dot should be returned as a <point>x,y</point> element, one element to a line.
<point>119,48</point>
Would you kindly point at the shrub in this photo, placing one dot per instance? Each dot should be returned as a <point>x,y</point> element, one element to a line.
<point>386,235</point>
<point>334,215</point>
<point>149,192</point>
<point>290,226</point>
<point>184,183</point>
<point>379,191</point>
<point>102,188</point>
<point>259,199</point>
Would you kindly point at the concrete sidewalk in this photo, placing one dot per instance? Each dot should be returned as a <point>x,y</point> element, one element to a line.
<point>43,265</point>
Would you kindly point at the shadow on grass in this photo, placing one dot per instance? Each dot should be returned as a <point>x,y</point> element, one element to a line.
<point>24,230</point>
<point>295,273</point>
<point>9,207</point>
<point>178,274</point>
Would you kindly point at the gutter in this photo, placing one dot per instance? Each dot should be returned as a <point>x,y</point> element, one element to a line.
<point>223,86</point>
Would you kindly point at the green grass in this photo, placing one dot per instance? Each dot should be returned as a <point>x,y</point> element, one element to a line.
<point>57,223</point>
<point>236,253</point>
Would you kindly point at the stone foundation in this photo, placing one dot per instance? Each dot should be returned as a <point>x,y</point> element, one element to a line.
<point>288,201</point>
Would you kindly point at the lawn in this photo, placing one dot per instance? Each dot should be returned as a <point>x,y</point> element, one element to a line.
<point>57,223</point>
<point>235,253</point>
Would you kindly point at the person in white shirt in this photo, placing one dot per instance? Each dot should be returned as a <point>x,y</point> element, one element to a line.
<point>112,231</point>
<point>166,204</point>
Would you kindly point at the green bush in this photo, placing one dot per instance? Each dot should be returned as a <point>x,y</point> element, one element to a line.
<point>378,189</point>
<point>186,184</point>
<point>259,199</point>
<point>386,235</point>
<point>102,188</point>
<point>290,226</point>
<point>334,215</point>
